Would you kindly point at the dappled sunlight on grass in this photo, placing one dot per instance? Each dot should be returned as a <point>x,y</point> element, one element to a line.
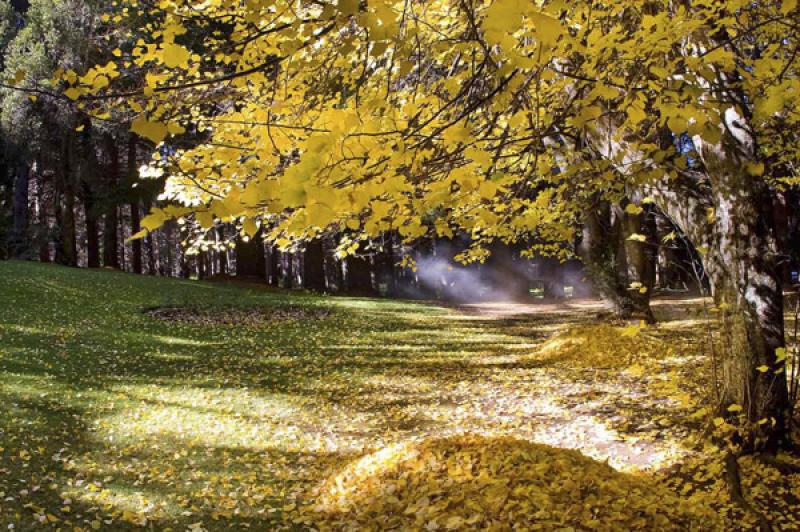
<point>175,340</point>
<point>126,420</point>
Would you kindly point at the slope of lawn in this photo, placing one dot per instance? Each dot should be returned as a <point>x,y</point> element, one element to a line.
<point>132,401</point>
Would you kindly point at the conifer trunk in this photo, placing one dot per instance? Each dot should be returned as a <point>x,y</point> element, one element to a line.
<point>19,237</point>
<point>111,220</point>
<point>314,266</point>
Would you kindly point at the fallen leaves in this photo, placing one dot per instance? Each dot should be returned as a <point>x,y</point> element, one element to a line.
<point>489,483</point>
<point>244,407</point>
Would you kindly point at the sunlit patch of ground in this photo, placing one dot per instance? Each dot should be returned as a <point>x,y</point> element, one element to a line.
<point>116,419</point>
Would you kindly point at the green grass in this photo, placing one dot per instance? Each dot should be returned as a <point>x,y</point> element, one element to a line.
<point>112,416</point>
<point>114,419</point>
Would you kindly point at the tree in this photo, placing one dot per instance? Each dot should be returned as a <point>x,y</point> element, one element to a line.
<point>503,120</point>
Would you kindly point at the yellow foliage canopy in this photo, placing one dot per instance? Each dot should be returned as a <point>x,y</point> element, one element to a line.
<point>498,118</point>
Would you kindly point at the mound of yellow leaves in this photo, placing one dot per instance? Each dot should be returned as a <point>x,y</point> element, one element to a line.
<point>602,346</point>
<point>502,483</point>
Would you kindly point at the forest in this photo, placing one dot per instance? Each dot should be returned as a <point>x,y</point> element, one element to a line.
<point>399,265</point>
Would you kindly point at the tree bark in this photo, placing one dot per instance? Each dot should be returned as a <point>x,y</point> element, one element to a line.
<point>136,245</point>
<point>727,212</point>
<point>333,266</point>
<point>66,250</point>
<point>748,285</point>
<point>358,277</point>
<point>111,220</point>
<point>19,235</point>
<point>68,255</point>
<point>288,272</point>
<point>251,260</point>
<point>43,218</point>
<point>274,271</point>
<point>604,253</point>
<point>385,266</point>
<point>222,254</point>
<point>92,229</point>
<point>637,264</point>
<point>136,217</point>
<point>314,265</point>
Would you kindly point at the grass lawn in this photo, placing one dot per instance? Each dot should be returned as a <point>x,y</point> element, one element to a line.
<point>134,401</point>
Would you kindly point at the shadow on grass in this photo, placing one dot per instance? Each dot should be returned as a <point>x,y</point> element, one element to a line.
<point>222,424</point>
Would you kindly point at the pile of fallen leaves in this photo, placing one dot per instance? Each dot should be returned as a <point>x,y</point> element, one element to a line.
<point>234,316</point>
<point>602,346</point>
<point>491,483</point>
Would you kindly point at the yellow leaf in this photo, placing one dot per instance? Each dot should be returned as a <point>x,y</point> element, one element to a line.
<point>205,219</point>
<point>175,55</point>
<point>755,169</point>
<point>487,190</point>
<point>154,131</point>
<point>154,220</point>
<point>636,370</point>
<point>73,93</point>
<point>548,29</point>
<point>175,128</point>
<point>632,208</point>
<point>454,522</point>
<point>677,124</point>
<point>347,7</point>
<point>138,236</point>
<point>250,228</point>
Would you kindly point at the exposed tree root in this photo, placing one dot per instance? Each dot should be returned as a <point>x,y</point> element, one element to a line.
<point>734,479</point>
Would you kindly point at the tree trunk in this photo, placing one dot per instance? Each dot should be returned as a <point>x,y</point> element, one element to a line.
<point>222,254</point>
<point>92,230</point>
<point>136,217</point>
<point>111,221</point>
<point>110,240</point>
<point>603,251</point>
<point>637,264</point>
<point>747,284</point>
<point>250,258</point>
<point>333,266</point>
<point>288,271</point>
<point>780,218</point>
<point>727,211</point>
<point>136,245</point>
<point>274,271</point>
<point>66,250</point>
<point>358,277</point>
<point>169,243</point>
<point>43,219</point>
<point>314,265</point>
<point>69,251</point>
<point>385,266</point>
<point>19,234</point>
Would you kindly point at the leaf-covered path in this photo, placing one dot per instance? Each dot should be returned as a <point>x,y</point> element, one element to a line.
<point>137,401</point>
